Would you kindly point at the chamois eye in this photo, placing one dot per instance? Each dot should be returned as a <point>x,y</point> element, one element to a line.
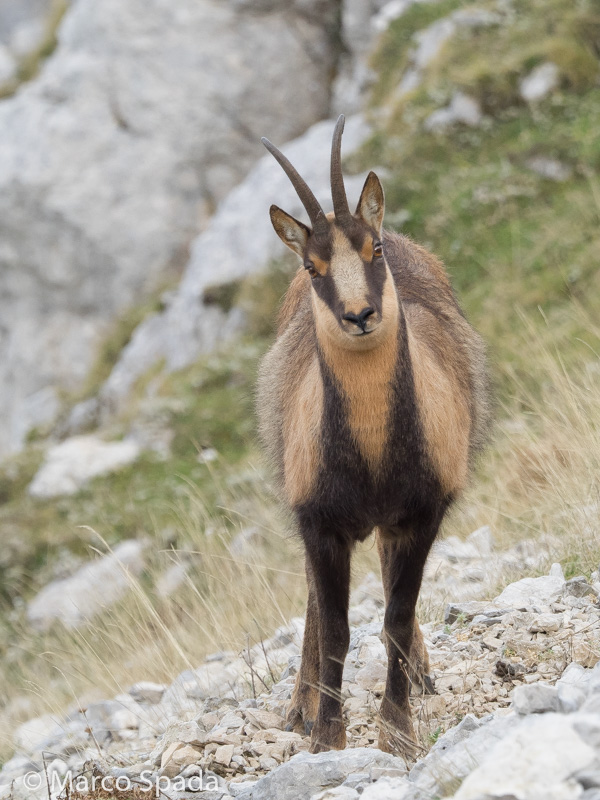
<point>310,268</point>
<point>377,250</point>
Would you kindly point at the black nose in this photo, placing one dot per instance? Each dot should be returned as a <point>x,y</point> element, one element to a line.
<point>360,319</point>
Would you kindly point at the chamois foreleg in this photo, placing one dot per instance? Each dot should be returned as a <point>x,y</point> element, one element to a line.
<point>418,663</point>
<point>330,567</point>
<point>304,704</point>
<point>404,559</point>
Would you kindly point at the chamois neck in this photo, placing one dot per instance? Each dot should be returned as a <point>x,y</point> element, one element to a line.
<point>365,382</point>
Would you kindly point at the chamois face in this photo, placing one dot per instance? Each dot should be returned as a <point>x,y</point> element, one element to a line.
<point>353,294</point>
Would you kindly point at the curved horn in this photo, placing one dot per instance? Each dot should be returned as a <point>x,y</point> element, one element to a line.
<point>338,192</point>
<point>309,201</point>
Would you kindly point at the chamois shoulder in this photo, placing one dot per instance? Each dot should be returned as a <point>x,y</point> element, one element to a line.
<point>419,275</point>
<point>296,300</point>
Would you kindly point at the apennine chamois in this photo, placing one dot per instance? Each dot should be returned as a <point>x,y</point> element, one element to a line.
<point>372,403</point>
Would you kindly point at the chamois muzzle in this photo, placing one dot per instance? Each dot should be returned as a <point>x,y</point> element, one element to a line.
<point>360,320</point>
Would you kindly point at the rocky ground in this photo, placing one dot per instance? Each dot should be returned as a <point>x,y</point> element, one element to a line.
<point>515,714</point>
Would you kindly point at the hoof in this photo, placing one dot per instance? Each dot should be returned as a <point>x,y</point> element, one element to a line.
<point>298,720</point>
<point>331,736</point>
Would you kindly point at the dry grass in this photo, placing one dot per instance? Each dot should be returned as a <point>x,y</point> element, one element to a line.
<point>542,473</point>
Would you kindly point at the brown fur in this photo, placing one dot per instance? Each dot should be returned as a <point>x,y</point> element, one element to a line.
<point>320,265</point>
<point>443,406</point>
<point>301,428</point>
<point>372,403</point>
<point>366,251</point>
<point>447,369</point>
<point>364,377</point>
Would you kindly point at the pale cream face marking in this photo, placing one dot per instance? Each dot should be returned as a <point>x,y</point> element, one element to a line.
<point>348,272</point>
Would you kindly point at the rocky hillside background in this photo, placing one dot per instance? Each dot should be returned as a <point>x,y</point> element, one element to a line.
<point>139,279</point>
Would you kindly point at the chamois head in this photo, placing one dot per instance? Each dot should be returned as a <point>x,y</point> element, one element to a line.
<point>354,299</point>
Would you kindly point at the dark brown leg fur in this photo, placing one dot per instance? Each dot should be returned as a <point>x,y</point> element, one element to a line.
<point>304,704</point>
<point>402,561</point>
<point>330,568</point>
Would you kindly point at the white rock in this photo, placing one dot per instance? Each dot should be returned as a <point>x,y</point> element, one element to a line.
<point>531,592</point>
<point>8,67</point>
<point>535,762</point>
<point>391,11</point>
<point>549,168</point>
<point>94,587</point>
<point>30,735</point>
<point>147,692</point>
<point>27,788</point>
<point>430,41</point>
<point>111,159</point>
<point>387,789</point>
<point>571,697</point>
<point>546,623</point>
<point>540,82</point>
<point>305,775</point>
<point>577,677</point>
<point>68,466</point>
<point>373,672</point>
<point>337,793</point>
<point>557,571</point>
<point>458,751</point>
<point>241,240</point>
<point>536,698</point>
<point>483,540</point>
<point>462,109</point>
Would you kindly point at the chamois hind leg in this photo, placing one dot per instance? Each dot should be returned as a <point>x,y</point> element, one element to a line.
<point>330,566</point>
<point>418,662</point>
<point>405,554</point>
<point>302,710</point>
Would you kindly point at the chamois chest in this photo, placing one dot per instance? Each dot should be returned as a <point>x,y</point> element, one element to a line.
<point>373,468</point>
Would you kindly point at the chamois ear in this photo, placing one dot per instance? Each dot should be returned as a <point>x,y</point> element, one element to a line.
<point>291,232</point>
<point>371,206</point>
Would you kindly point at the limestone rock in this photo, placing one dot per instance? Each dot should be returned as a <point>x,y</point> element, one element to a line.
<point>530,592</point>
<point>264,719</point>
<point>95,586</point>
<point>549,168</point>
<point>305,774</point>
<point>578,587</point>
<point>147,692</point>
<point>535,762</point>
<point>535,699</point>
<point>178,733</point>
<point>389,789</point>
<point>31,734</point>
<point>146,115</point>
<point>177,756</point>
<point>540,82</point>
<point>462,109</point>
<point>455,754</point>
<point>68,466</point>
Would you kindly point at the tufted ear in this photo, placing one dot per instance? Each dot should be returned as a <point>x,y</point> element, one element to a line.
<point>371,206</point>
<point>291,232</point>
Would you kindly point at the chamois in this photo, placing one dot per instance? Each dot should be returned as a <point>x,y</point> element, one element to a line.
<point>371,404</point>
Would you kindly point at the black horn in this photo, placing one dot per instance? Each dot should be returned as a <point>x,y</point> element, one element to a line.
<point>338,192</point>
<point>309,201</point>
